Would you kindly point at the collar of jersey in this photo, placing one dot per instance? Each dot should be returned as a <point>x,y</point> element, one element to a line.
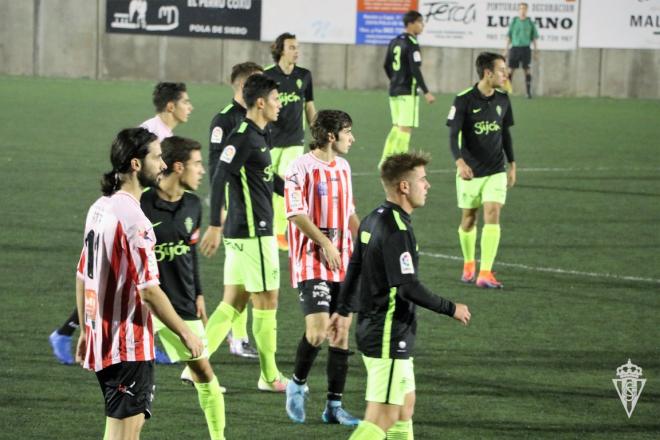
<point>398,209</point>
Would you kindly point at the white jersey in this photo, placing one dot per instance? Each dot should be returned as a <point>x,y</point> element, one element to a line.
<point>156,126</point>
<point>117,260</point>
<point>324,192</point>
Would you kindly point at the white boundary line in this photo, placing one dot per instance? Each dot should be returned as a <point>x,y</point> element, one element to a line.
<point>534,170</point>
<point>554,270</point>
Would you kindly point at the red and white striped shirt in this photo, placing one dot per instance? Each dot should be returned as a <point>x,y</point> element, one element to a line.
<point>324,192</point>
<point>117,260</point>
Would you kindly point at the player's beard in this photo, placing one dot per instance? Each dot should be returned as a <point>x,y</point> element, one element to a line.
<point>147,180</point>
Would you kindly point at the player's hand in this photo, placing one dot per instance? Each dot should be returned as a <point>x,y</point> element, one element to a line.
<point>338,327</point>
<point>332,256</point>
<point>462,314</point>
<point>511,175</point>
<point>535,55</point>
<point>200,304</point>
<point>429,97</point>
<point>81,346</point>
<point>464,170</point>
<point>211,241</point>
<point>193,344</point>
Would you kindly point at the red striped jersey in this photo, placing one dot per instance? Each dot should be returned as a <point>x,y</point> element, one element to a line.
<point>324,192</point>
<point>117,260</point>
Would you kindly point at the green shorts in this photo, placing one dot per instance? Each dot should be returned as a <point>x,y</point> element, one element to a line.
<point>405,110</point>
<point>389,380</point>
<point>283,156</point>
<point>473,193</point>
<point>252,263</point>
<point>174,347</point>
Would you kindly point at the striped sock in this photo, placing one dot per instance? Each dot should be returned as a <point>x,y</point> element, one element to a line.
<point>367,431</point>
<point>400,431</point>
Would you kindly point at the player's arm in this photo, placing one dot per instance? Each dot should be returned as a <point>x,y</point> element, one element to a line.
<point>232,158</point>
<point>81,346</point>
<point>310,109</point>
<point>507,146</point>
<point>354,225</point>
<point>278,185</point>
<point>535,37</point>
<point>340,321</point>
<point>418,294</point>
<point>200,304</point>
<point>307,227</point>
<point>157,301</point>
<point>455,120</point>
<point>415,62</point>
<point>387,64</point>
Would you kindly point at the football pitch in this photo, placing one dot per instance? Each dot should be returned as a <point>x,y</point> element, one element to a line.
<point>578,259</point>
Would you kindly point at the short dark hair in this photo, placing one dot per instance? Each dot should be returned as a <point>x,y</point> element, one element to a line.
<point>243,70</point>
<point>257,86</point>
<point>129,144</point>
<point>395,168</point>
<point>411,17</point>
<point>277,47</point>
<point>165,92</point>
<point>177,149</point>
<point>326,122</point>
<point>486,61</point>
<point>523,4</point>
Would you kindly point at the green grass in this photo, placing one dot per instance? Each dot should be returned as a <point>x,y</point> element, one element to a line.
<point>536,361</point>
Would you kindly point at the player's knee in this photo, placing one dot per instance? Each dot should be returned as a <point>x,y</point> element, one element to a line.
<point>316,336</point>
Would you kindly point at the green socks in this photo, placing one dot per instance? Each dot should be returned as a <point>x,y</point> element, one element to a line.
<point>219,324</point>
<point>403,141</point>
<point>213,404</point>
<point>367,431</point>
<point>390,145</point>
<point>401,431</point>
<point>468,242</point>
<point>239,326</point>
<point>264,329</point>
<point>490,240</point>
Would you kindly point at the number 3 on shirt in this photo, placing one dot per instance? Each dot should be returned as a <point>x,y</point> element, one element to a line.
<point>396,64</point>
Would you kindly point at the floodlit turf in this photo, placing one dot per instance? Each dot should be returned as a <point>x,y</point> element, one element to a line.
<point>578,259</point>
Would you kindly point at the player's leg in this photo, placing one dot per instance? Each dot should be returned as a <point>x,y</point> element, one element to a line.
<point>526,64</point>
<point>468,194</point>
<point>402,429</point>
<point>280,223</point>
<point>210,396</point>
<point>262,279</point>
<point>392,139</point>
<point>336,369</point>
<point>233,303</point>
<point>494,197</point>
<point>128,391</point>
<point>60,339</point>
<point>408,119</point>
<point>238,339</point>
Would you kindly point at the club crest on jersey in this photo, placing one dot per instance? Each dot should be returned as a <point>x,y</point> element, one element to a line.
<point>417,57</point>
<point>406,262</point>
<point>216,135</point>
<point>188,223</point>
<point>498,109</point>
<point>228,154</point>
<point>322,188</point>
<point>299,83</point>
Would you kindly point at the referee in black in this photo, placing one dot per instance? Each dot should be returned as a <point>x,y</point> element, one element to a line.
<point>383,286</point>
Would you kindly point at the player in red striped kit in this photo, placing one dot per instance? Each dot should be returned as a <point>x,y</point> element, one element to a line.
<point>117,286</point>
<point>322,220</point>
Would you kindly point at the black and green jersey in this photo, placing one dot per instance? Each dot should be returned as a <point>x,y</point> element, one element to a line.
<point>479,130</point>
<point>176,225</point>
<point>221,125</point>
<point>295,90</point>
<point>522,32</point>
<point>386,255</point>
<point>402,66</point>
<point>244,181</point>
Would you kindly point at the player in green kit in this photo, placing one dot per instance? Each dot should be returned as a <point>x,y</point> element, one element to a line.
<point>481,144</point>
<point>522,33</point>
<point>382,284</point>
<point>403,68</point>
<point>244,182</point>
<point>288,132</point>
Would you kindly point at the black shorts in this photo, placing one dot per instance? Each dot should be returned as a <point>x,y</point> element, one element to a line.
<point>318,296</point>
<point>520,55</point>
<point>128,389</point>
